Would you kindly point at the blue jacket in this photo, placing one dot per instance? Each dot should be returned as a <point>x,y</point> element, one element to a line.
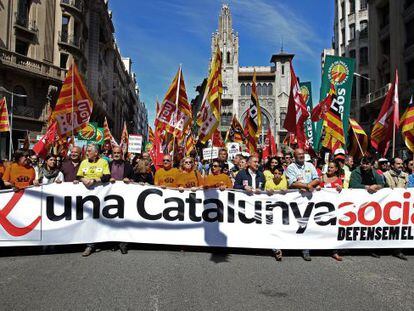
<point>243,178</point>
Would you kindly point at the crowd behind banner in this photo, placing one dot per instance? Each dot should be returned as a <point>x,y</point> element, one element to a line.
<point>289,170</point>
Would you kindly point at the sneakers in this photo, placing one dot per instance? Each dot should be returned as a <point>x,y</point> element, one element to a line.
<point>400,255</point>
<point>87,252</point>
<point>123,248</point>
<point>306,256</point>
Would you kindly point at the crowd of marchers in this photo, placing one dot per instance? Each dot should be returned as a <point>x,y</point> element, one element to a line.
<point>295,170</point>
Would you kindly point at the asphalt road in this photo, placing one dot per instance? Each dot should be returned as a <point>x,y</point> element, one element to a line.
<point>165,278</point>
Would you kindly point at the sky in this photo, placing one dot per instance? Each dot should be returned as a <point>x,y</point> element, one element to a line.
<point>159,35</point>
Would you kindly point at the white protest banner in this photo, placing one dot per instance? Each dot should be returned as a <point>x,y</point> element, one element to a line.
<point>233,149</point>
<point>135,143</point>
<point>210,153</point>
<point>71,214</point>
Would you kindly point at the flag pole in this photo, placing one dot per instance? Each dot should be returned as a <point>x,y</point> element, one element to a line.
<point>393,140</point>
<point>11,127</point>
<point>73,63</point>
<point>176,108</point>
<point>359,145</point>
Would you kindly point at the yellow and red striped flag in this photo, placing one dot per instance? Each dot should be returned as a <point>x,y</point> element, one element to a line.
<point>189,145</point>
<point>124,139</point>
<point>235,132</point>
<point>74,105</point>
<point>4,116</point>
<point>358,140</point>
<point>253,119</point>
<point>407,126</point>
<point>175,113</point>
<point>209,115</point>
<point>333,126</point>
<point>151,136</point>
<point>108,135</point>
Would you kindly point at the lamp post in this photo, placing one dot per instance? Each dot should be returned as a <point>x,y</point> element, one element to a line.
<point>2,89</point>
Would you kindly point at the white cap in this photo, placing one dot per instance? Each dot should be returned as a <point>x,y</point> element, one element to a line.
<point>307,158</point>
<point>339,151</point>
<point>383,160</point>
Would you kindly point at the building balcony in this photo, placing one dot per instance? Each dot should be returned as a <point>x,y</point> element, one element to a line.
<point>351,18</point>
<point>72,6</point>
<point>24,27</point>
<point>409,50</point>
<point>377,95</point>
<point>34,67</point>
<point>28,112</point>
<point>70,43</point>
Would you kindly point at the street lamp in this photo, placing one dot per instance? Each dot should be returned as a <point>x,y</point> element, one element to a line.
<point>2,89</point>
<point>366,78</point>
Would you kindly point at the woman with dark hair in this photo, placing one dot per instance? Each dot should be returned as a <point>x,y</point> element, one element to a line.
<point>271,164</point>
<point>142,173</point>
<point>20,173</point>
<point>217,179</point>
<point>49,172</point>
<point>332,178</point>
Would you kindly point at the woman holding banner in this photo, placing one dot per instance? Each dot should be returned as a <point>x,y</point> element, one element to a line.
<point>189,177</point>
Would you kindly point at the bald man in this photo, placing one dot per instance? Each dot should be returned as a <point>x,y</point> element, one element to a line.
<point>120,169</point>
<point>71,165</point>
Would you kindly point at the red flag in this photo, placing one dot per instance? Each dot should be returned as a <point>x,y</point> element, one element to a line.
<point>156,153</point>
<point>43,145</point>
<point>297,111</point>
<point>217,139</point>
<point>382,133</point>
<point>320,110</point>
<point>269,148</point>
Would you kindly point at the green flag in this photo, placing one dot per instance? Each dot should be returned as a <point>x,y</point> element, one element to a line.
<point>340,71</point>
<point>306,91</point>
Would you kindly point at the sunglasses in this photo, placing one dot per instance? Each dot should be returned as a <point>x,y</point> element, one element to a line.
<point>215,165</point>
<point>186,162</point>
<point>166,160</point>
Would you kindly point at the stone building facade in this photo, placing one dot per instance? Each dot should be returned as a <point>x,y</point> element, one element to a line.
<point>351,40</point>
<point>39,40</point>
<point>273,82</point>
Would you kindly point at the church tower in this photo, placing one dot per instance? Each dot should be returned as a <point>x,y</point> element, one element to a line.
<point>228,42</point>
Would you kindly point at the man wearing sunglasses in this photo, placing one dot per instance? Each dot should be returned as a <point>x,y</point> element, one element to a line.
<point>167,175</point>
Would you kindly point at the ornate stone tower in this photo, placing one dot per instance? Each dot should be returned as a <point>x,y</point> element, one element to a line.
<point>228,42</point>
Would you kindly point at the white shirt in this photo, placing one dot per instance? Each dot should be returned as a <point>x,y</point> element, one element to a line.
<point>253,174</point>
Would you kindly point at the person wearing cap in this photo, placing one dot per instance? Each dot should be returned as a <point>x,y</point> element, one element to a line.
<point>366,177</point>
<point>302,175</point>
<point>340,158</point>
<point>383,166</point>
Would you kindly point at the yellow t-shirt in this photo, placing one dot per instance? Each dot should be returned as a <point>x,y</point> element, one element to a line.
<point>270,183</point>
<point>189,179</point>
<point>213,181</point>
<point>166,178</point>
<point>92,170</point>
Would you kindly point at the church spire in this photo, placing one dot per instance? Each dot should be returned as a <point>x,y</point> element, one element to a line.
<point>225,22</point>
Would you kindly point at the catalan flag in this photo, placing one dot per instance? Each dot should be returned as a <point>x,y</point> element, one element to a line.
<point>175,114</point>
<point>190,145</point>
<point>108,135</point>
<point>253,119</point>
<point>151,136</point>
<point>209,116</point>
<point>407,126</point>
<point>387,121</point>
<point>4,116</point>
<point>358,140</point>
<point>235,132</point>
<point>74,105</point>
<point>124,139</point>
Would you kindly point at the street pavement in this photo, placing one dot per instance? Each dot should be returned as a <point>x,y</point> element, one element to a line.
<point>169,278</point>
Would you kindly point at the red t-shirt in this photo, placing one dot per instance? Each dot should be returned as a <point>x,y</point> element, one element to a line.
<point>333,184</point>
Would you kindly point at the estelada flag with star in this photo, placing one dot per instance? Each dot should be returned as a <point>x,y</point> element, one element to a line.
<point>74,105</point>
